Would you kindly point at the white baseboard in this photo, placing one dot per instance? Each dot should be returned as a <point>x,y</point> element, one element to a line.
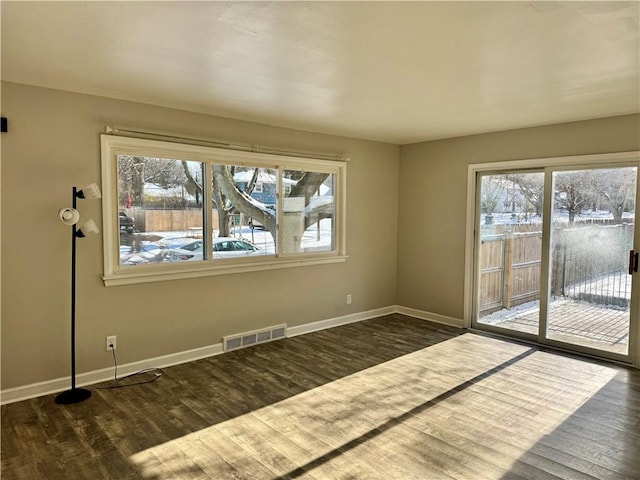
<point>432,317</point>
<point>336,322</point>
<point>26,392</point>
<point>17,394</point>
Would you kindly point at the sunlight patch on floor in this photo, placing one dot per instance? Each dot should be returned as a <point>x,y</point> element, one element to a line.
<point>401,419</point>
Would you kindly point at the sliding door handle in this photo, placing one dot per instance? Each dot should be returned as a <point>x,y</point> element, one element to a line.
<point>633,262</point>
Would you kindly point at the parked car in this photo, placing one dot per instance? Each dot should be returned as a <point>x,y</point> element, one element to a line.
<point>223,247</point>
<point>127,224</point>
<point>157,255</point>
<point>143,252</point>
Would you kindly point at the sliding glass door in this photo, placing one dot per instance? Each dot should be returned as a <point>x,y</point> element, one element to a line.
<point>555,258</point>
<point>593,213</point>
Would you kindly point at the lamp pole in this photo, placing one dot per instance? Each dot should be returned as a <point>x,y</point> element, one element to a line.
<point>75,395</point>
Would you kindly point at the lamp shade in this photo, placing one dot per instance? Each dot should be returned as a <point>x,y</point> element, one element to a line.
<point>90,191</point>
<point>69,216</point>
<point>88,228</point>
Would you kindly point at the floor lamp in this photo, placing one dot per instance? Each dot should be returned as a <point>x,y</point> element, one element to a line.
<point>71,216</point>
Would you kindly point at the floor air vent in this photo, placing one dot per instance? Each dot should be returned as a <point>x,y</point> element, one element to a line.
<point>241,340</point>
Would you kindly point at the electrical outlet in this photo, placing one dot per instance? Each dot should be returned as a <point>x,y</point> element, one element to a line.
<point>111,343</point>
<point>348,299</point>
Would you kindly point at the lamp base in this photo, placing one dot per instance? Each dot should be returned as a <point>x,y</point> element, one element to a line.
<point>75,395</point>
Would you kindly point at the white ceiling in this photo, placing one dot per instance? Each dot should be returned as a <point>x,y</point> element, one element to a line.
<point>398,72</point>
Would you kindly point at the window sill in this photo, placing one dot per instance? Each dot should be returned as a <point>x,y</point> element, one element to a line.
<point>205,269</point>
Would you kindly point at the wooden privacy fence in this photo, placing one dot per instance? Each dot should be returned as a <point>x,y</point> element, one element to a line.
<point>168,220</point>
<point>588,262</point>
<point>509,269</point>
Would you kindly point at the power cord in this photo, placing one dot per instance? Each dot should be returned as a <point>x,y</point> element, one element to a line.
<point>158,373</point>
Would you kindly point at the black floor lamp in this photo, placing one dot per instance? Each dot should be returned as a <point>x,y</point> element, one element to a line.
<point>71,216</point>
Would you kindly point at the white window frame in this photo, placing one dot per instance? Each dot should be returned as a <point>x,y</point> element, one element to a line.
<point>112,146</point>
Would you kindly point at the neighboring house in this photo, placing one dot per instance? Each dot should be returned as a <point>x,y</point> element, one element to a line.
<point>500,195</point>
<point>264,190</point>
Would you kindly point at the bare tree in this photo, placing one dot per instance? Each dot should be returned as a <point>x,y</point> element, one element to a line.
<point>531,187</point>
<point>491,192</point>
<point>252,183</point>
<point>576,190</point>
<point>307,186</point>
<point>616,187</point>
<point>163,172</point>
<point>193,185</point>
<point>134,172</point>
<point>224,208</point>
<point>226,186</point>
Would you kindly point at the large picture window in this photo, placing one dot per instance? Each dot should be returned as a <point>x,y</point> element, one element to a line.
<point>175,210</point>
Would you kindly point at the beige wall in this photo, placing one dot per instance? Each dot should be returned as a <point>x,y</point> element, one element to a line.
<point>54,144</point>
<point>405,232</point>
<point>433,182</point>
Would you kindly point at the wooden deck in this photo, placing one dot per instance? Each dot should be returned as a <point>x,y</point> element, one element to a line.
<point>580,323</point>
<point>392,398</point>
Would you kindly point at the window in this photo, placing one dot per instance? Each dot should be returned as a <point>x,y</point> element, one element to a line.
<point>178,211</point>
<point>160,209</point>
<point>253,212</point>
<point>308,211</point>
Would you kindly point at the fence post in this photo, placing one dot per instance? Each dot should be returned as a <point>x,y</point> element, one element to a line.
<point>507,275</point>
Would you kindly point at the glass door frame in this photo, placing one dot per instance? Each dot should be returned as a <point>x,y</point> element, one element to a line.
<point>472,273</point>
<point>546,273</point>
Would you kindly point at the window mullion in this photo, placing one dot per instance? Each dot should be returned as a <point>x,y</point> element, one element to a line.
<point>207,193</point>
<point>279,196</point>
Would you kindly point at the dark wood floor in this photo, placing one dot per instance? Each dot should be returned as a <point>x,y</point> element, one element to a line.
<point>389,398</point>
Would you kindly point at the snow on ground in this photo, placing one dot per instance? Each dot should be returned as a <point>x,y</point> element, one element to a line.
<point>558,217</point>
<point>505,315</point>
